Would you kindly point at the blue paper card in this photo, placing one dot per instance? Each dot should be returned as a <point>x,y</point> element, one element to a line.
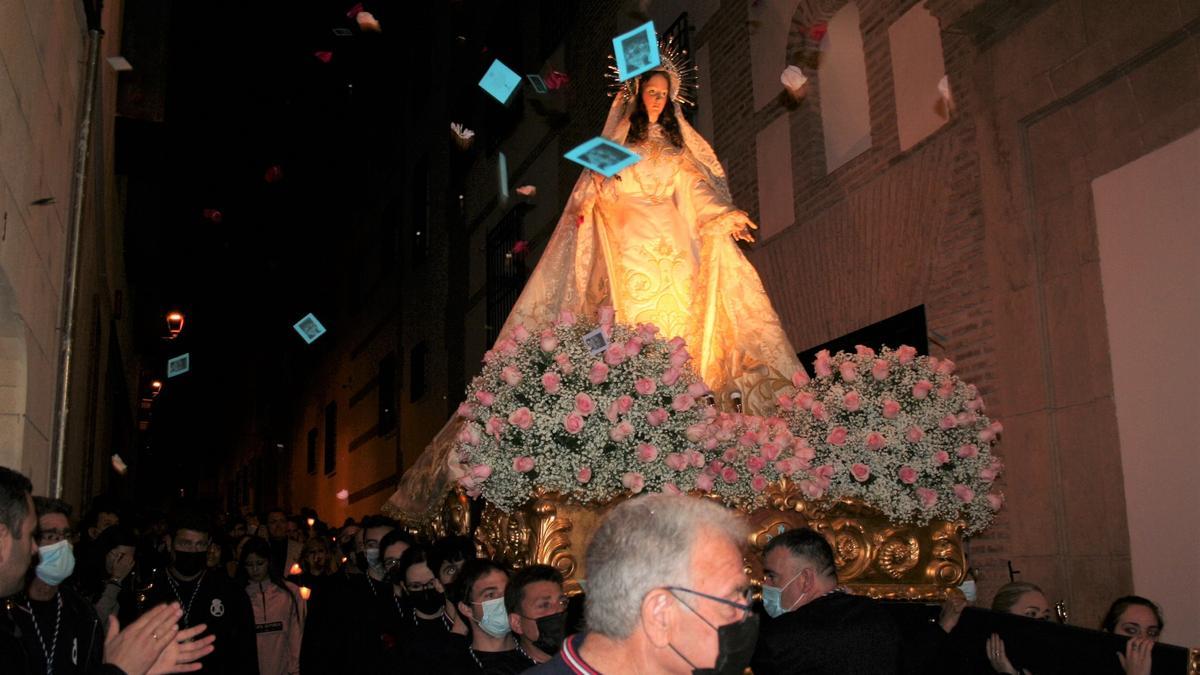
<point>500,81</point>
<point>179,365</point>
<point>309,328</point>
<point>636,51</point>
<point>603,156</point>
<point>502,174</point>
<point>538,84</point>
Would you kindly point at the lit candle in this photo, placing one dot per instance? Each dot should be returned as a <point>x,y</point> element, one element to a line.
<point>305,592</point>
<point>312,521</point>
<point>295,569</point>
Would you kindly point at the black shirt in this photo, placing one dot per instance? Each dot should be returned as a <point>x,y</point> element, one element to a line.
<point>836,634</point>
<point>511,662</point>
<point>215,600</point>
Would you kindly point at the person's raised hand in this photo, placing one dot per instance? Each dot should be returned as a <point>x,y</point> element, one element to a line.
<point>952,609</point>
<point>999,659</point>
<point>182,654</point>
<point>136,648</point>
<point>1136,659</point>
<point>122,565</point>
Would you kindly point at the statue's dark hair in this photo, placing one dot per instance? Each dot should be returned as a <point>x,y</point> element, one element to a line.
<point>639,121</point>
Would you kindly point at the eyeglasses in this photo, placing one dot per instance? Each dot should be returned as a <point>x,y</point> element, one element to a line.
<point>389,563</point>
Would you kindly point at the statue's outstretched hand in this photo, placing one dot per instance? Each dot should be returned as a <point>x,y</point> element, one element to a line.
<point>743,233</point>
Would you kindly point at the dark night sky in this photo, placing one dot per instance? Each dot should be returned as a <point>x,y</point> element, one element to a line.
<point>244,92</point>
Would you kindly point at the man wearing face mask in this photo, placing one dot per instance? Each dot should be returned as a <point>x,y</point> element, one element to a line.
<point>816,627</point>
<point>208,597</point>
<point>61,630</point>
<point>667,593</point>
<point>493,649</point>
<point>537,611</point>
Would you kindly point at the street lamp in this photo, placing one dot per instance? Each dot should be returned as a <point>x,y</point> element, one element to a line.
<point>174,324</point>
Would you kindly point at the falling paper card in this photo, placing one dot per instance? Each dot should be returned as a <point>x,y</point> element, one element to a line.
<point>462,135</point>
<point>368,23</point>
<point>556,80</point>
<point>353,11</point>
<point>527,191</point>
<point>179,365</point>
<point>502,174</point>
<point>119,465</point>
<point>595,341</point>
<point>500,81</point>
<point>343,494</point>
<point>636,51</point>
<point>309,328</point>
<point>603,156</point>
<point>212,215</point>
<point>538,84</point>
<point>323,57</point>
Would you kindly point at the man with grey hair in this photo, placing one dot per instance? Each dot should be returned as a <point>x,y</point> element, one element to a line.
<point>667,592</point>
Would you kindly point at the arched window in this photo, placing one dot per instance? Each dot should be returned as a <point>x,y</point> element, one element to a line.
<point>845,106</point>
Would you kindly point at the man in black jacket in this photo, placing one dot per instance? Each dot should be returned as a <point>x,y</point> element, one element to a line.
<point>207,597</point>
<point>816,627</point>
<point>151,644</point>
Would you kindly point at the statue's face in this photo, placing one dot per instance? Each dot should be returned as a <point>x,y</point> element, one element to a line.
<point>655,92</point>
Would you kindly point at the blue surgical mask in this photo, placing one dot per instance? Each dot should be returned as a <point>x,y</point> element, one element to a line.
<point>56,562</point>
<point>372,556</point>
<point>773,599</point>
<point>495,618</point>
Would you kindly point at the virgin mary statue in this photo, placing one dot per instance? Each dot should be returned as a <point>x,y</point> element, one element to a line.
<point>657,243</point>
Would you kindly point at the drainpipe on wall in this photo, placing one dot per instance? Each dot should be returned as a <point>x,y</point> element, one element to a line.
<point>83,137</point>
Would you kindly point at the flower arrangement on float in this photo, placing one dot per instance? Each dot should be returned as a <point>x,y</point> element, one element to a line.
<point>589,409</point>
<point>899,432</point>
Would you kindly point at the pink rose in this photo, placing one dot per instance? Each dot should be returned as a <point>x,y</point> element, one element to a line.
<point>494,426</point>
<point>647,452</point>
<point>906,354</point>
<point>645,386</point>
<point>697,389</point>
<point>729,475</point>
<point>490,356</point>
<point>863,350</point>
<point>965,494</point>
<point>676,343</point>
<point>466,410</point>
<point>677,461</point>
<point>771,451</point>
<point>485,398</point>
<point>947,422</point>
<point>506,346</point>
<point>914,434</point>
<point>565,318</point>
<point>612,414</point>
<point>755,463</point>
<point>966,419</point>
<point>784,402</point>
<point>945,367</point>
<point>995,501</point>
<point>551,382</point>
<point>876,441</point>
<point>921,389</point>
<point>481,472</point>
<point>621,431</point>
<point>584,404</point>
<point>573,423</point>
<point>679,357</point>
<point>606,315</point>
<point>799,378</point>
<point>614,355</point>
<point>633,348</point>
<point>851,401</point>
<point>624,403</point>
<point>986,435</point>
<point>671,489</point>
<point>564,363</point>
<point>837,436</point>
<point>908,475</point>
<point>730,455</point>
<point>671,376</point>
<point>682,403</point>
<point>880,369</point>
<point>890,409</point>
<point>521,418</point>
<point>748,439</point>
<point>584,474</point>
<point>695,459</point>
<point>548,342</point>
<point>657,417</point>
<point>633,481</point>
<point>968,450</point>
<point>469,435</point>
<point>598,372</point>
<point>819,411</point>
<point>848,371</point>
<point>805,453</point>
<point>989,473</point>
<point>523,464</point>
<point>696,432</point>
<point>520,333</point>
<point>946,389</point>
<point>941,457</point>
<point>996,427</point>
<point>927,497</point>
<point>758,483</point>
<point>704,482</point>
<point>860,471</point>
<point>825,472</point>
<point>786,466</point>
<point>804,400</point>
<point>821,366</point>
<point>975,405</point>
<point>811,490</point>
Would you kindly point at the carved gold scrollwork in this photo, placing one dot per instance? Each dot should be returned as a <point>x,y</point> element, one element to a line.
<point>947,566</point>
<point>851,547</point>
<point>896,552</point>
<point>552,540</point>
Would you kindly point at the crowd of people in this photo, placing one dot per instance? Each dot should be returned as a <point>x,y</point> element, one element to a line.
<point>667,592</point>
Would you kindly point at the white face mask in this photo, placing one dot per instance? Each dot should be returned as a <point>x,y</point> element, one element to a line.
<point>968,589</point>
<point>56,562</point>
<point>773,598</point>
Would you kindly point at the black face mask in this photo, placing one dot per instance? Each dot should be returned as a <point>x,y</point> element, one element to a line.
<point>189,563</point>
<point>735,641</point>
<point>428,601</point>
<point>552,630</point>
